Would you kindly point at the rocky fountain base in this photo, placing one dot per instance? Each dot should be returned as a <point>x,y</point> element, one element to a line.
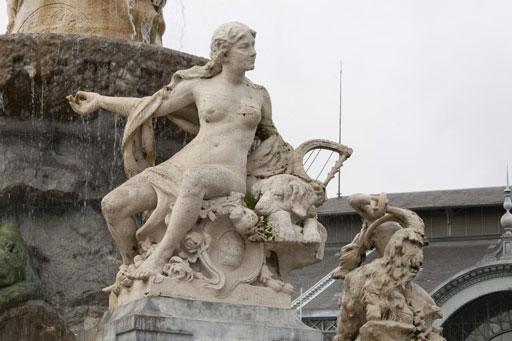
<point>56,166</point>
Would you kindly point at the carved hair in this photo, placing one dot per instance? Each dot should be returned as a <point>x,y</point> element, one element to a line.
<point>224,37</point>
<point>391,272</point>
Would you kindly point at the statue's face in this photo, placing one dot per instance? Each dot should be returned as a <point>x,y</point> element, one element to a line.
<point>412,259</point>
<point>12,256</point>
<point>242,54</point>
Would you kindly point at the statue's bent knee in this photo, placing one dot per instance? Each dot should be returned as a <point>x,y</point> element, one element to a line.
<point>193,184</point>
<point>110,206</point>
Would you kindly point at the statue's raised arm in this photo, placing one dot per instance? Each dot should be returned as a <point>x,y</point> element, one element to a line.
<point>138,140</point>
<point>85,103</point>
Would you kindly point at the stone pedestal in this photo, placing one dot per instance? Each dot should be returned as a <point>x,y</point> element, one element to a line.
<point>163,318</point>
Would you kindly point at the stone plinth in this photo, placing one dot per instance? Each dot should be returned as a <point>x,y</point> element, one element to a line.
<point>162,318</point>
<point>242,294</point>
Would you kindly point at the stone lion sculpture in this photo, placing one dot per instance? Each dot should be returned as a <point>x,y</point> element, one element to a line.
<point>18,282</point>
<point>289,205</point>
<point>379,300</point>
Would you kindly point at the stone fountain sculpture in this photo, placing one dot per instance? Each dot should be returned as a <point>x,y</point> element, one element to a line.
<point>379,301</point>
<point>229,215</point>
<point>136,20</point>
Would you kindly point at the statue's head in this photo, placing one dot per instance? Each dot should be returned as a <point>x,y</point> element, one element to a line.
<point>403,255</point>
<point>233,43</point>
<point>12,255</point>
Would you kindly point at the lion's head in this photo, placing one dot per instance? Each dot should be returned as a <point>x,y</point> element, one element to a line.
<point>287,193</point>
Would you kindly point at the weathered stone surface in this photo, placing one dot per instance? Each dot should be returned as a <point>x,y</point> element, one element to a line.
<point>56,166</point>
<point>162,318</point>
<point>47,67</point>
<point>386,331</point>
<point>73,256</point>
<point>379,300</point>
<point>33,321</point>
<point>140,20</point>
<point>17,280</point>
<point>44,146</point>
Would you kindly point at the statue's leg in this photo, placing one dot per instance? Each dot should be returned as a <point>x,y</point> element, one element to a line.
<point>134,196</point>
<point>197,184</point>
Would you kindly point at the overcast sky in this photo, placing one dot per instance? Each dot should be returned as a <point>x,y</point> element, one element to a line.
<point>427,85</point>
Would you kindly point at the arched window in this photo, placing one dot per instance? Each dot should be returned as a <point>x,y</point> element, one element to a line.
<point>487,318</point>
<point>506,336</point>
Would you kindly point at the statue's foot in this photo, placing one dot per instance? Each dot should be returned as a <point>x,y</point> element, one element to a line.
<point>149,268</point>
<point>122,279</point>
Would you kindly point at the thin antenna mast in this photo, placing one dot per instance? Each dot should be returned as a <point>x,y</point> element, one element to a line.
<point>339,127</point>
<point>508,184</point>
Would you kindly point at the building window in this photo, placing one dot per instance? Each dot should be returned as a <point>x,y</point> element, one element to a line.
<point>487,318</point>
<point>326,325</point>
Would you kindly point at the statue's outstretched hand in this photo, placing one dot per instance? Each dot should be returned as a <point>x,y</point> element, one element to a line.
<point>84,103</point>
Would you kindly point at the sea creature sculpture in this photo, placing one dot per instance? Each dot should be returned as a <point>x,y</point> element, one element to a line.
<point>18,282</point>
<point>379,299</point>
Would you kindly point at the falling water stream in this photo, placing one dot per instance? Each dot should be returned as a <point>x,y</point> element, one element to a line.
<point>2,102</point>
<point>181,6</point>
<point>130,4</point>
<point>178,23</point>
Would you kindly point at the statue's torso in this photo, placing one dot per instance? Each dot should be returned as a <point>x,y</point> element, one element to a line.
<point>228,121</point>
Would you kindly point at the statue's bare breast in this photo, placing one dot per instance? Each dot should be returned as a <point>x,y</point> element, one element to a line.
<point>228,121</point>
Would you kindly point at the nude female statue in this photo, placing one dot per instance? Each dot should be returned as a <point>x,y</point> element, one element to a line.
<point>213,164</point>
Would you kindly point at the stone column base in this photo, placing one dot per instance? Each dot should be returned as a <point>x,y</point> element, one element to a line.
<point>163,318</point>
